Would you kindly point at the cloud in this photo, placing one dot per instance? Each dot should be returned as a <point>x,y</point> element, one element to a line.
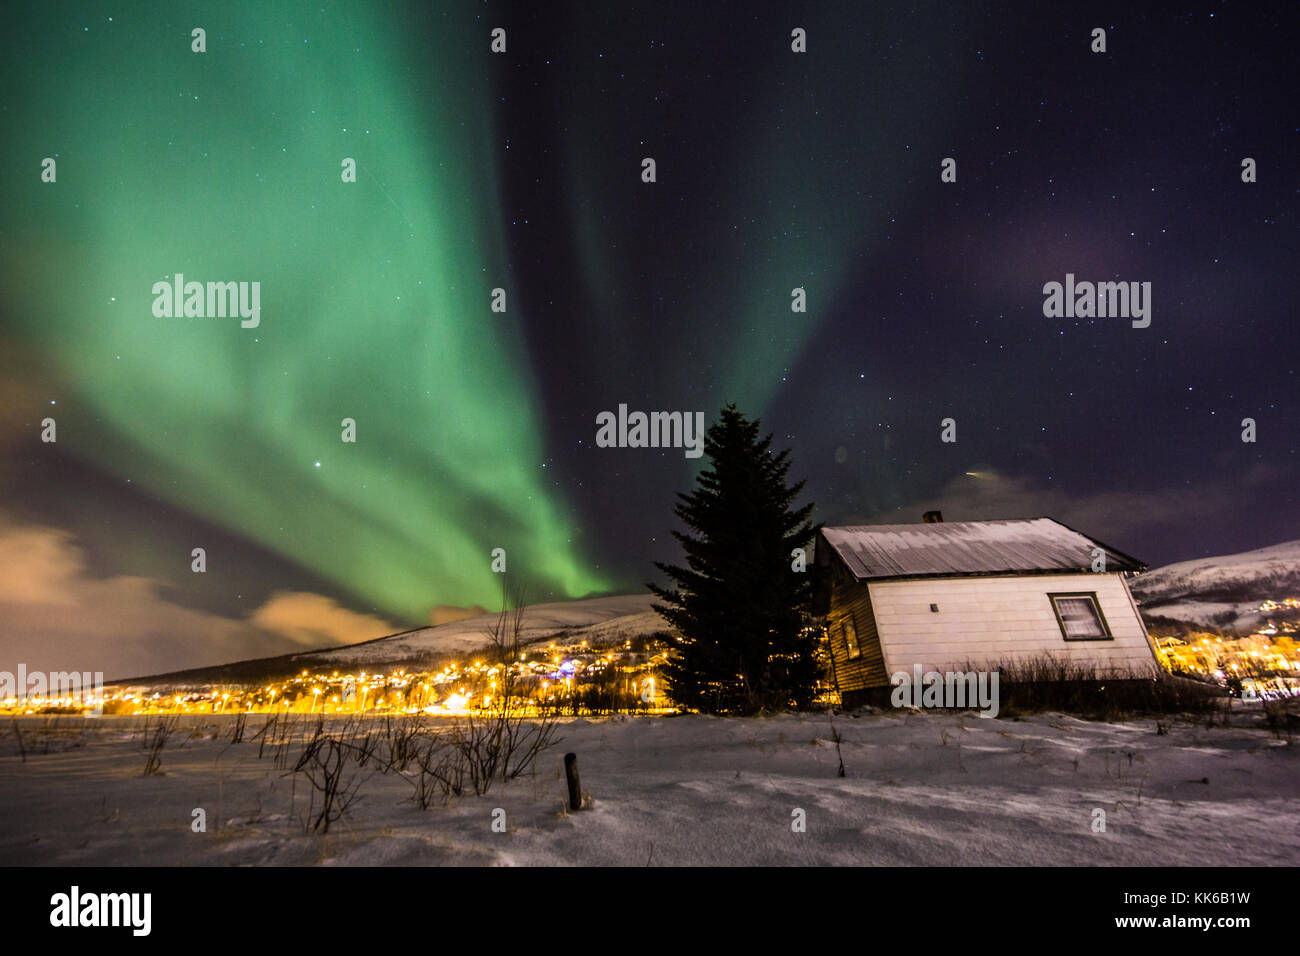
<point>317,621</point>
<point>983,494</point>
<point>37,565</point>
<point>56,617</point>
<point>1119,518</point>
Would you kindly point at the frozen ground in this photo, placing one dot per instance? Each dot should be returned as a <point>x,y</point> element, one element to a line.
<point>922,788</point>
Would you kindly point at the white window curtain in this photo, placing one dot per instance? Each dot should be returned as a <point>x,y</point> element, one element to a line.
<point>1079,617</point>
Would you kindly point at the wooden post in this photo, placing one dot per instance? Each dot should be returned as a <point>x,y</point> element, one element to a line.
<point>571,774</point>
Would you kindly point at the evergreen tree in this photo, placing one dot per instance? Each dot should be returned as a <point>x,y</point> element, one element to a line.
<point>739,606</point>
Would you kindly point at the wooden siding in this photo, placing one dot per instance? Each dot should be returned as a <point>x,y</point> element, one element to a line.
<point>983,621</point>
<point>850,599</point>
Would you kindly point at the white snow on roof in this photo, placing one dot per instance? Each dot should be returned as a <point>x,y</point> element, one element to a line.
<point>1032,545</point>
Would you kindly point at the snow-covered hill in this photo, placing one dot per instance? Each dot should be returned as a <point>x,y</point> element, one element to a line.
<point>1224,591</point>
<point>601,622</point>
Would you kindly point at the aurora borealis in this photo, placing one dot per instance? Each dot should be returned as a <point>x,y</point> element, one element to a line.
<point>373,310</point>
<point>475,171</point>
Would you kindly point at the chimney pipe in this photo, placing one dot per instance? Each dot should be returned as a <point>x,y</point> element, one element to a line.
<point>932,517</point>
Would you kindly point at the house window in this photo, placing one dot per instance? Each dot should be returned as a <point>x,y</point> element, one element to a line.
<point>1080,617</point>
<point>851,638</point>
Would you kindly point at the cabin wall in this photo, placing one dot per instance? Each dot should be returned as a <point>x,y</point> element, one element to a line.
<point>850,600</point>
<point>990,620</point>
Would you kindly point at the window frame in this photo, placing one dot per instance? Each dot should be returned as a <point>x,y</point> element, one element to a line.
<point>849,631</point>
<point>1107,634</point>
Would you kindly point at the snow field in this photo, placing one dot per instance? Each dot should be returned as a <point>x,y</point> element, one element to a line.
<point>921,789</point>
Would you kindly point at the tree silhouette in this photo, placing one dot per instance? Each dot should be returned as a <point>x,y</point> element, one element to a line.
<point>741,605</point>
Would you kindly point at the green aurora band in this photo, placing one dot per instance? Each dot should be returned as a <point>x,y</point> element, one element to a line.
<point>225,166</point>
<point>806,187</point>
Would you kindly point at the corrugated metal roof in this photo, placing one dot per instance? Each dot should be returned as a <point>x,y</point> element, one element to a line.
<point>1025,546</point>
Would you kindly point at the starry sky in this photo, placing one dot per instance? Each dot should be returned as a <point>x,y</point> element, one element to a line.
<point>522,170</point>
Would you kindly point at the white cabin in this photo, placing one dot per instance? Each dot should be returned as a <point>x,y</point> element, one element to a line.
<point>976,595</point>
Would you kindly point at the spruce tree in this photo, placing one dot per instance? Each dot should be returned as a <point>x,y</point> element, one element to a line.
<point>739,606</point>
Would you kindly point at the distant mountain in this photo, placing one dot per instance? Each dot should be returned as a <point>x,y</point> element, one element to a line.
<point>1222,593</point>
<point>601,622</point>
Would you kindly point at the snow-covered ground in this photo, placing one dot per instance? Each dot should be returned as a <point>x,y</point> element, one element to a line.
<point>921,788</point>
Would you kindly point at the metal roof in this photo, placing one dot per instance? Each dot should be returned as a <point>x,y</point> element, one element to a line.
<point>944,549</point>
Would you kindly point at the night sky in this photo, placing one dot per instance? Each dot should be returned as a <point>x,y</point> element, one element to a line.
<point>522,170</point>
